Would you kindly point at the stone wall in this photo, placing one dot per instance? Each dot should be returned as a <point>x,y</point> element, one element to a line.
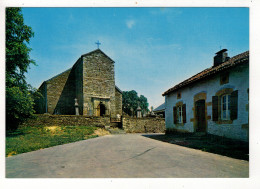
<point>55,88</point>
<point>98,82</point>
<point>119,100</point>
<point>143,125</point>
<point>68,120</point>
<point>78,70</point>
<point>40,104</point>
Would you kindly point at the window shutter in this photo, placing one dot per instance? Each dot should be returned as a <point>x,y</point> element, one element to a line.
<point>174,114</point>
<point>184,113</point>
<point>233,105</point>
<point>215,108</point>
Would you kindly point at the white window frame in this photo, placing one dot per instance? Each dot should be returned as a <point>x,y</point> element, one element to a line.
<point>225,104</point>
<point>179,114</point>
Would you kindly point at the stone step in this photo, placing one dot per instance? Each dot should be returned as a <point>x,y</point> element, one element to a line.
<point>116,131</point>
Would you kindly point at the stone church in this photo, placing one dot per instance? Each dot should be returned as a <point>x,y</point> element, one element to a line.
<point>88,87</point>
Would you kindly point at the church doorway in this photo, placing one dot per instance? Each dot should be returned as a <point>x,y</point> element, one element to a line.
<point>101,110</point>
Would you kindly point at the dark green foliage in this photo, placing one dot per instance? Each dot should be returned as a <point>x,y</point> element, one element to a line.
<point>19,100</point>
<point>131,101</point>
<point>18,106</point>
<point>17,53</point>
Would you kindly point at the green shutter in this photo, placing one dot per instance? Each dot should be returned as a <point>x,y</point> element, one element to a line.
<point>174,114</point>
<point>233,105</point>
<point>184,113</point>
<point>215,108</point>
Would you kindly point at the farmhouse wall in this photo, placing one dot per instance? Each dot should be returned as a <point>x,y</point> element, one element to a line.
<point>238,80</point>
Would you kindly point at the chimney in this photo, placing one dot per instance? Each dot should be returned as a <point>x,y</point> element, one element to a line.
<point>221,56</point>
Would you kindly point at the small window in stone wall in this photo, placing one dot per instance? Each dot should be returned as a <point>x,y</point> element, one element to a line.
<point>178,95</point>
<point>224,78</point>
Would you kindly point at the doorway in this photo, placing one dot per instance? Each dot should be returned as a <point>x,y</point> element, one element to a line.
<point>200,115</point>
<point>101,110</point>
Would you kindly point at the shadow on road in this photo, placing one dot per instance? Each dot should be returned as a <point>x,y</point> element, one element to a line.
<point>209,143</point>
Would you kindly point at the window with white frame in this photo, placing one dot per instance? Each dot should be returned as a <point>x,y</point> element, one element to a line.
<point>225,107</point>
<point>179,114</point>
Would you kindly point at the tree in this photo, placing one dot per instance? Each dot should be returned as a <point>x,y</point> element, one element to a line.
<point>131,101</point>
<point>143,104</point>
<point>19,101</point>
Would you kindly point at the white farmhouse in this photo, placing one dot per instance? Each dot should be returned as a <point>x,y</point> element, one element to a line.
<point>214,101</point>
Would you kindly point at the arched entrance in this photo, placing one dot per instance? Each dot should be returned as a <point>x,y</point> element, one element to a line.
<point>101,110</point>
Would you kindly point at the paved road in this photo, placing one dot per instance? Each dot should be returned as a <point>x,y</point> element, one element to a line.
<point>130,155</point>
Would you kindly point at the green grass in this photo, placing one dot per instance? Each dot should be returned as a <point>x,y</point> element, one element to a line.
<point>26,139</point>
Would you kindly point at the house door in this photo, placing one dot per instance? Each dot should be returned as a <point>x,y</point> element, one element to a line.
<point>200,115</point>
<point>101,110</point>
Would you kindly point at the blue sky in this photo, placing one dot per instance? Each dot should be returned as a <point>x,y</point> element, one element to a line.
<point>153,48</point>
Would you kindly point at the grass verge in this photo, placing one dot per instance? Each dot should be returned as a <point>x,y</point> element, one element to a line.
<point>26,139</point>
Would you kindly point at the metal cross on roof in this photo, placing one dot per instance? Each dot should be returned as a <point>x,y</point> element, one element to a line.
<point>98,43</point>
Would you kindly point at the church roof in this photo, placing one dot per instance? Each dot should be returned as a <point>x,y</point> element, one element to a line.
<point>97,50</point>
<point>58,75</point>
<point>118,89</point>
<point>242,58</point>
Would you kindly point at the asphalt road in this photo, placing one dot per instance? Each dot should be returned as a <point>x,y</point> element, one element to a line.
<point>123,156</point>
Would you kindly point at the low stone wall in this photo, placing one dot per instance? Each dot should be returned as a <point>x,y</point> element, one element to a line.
<point>68,120</point>
<point>143,125</point>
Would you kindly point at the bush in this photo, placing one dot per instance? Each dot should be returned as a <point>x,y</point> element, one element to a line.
<point>18,107</point>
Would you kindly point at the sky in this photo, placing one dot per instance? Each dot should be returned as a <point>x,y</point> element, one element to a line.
<point>153,48</point>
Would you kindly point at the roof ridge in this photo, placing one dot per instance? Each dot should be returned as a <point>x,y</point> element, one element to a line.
<point>208,71</point>
<point>96,51</point>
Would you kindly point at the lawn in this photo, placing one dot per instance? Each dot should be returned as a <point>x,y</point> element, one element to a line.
<point>26,139</point>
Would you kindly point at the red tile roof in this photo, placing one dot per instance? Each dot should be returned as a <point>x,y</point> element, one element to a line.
<point>242,58</point>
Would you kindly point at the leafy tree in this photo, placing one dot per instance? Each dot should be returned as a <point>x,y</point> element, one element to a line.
<point>143,104</point>
<point>19,101</point>
<point>131,101</point>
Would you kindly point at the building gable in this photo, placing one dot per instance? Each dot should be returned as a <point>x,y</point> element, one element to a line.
<point>242,58</point>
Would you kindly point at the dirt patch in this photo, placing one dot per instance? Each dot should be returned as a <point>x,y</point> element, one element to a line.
<point>101,132</point>
<point>53,129</point>
<point>11,154</point>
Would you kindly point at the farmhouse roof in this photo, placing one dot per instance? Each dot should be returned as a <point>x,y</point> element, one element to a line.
<point>160,108</point>
<point>242,58</point>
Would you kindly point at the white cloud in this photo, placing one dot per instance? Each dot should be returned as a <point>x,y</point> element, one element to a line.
<point>130,23</point>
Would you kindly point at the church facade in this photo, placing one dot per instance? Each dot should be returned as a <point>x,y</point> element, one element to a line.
<point>89,85</point>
